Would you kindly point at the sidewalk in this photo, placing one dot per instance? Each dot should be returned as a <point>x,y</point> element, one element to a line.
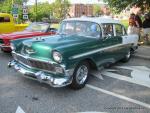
<point>143,52</point>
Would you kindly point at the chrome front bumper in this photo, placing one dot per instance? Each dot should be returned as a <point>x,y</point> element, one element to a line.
<point>43,77</point>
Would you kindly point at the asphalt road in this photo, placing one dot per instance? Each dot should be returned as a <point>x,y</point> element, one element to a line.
<point>122,88</point>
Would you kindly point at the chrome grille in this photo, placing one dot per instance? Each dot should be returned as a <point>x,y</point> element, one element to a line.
<point>34,63</point>
<point>42,65</point>
<point>22,59</point>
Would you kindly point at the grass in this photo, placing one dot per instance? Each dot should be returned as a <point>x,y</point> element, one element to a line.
<point>55,26</point>
<point>125,23</point>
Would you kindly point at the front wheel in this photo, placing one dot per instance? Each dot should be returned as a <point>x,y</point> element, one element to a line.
<point>80,76</point>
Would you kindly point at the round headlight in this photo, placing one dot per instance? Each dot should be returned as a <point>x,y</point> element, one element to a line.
<point>12,46</point>
<point>57,56</point>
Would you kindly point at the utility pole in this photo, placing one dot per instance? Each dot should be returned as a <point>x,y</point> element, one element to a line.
<point>35,10</point>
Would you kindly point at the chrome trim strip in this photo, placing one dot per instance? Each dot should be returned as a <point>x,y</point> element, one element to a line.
<point>94,51</point>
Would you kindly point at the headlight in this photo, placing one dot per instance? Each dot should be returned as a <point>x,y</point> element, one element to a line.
<point>57,56</point>
<point>12,46</point>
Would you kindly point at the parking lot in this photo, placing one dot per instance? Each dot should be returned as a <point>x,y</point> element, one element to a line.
<point>122,88</point>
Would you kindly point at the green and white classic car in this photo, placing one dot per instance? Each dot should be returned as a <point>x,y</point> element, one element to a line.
<point>82,44</point>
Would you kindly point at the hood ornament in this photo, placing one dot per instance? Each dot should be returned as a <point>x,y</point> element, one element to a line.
<point>38,38</point>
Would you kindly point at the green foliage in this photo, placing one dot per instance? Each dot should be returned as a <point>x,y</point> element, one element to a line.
<point>60,8</point>
<point>125,23</point>
<point>6,5</point>
<point>44,10</point>
<point>97,10</point>
<point>119,5</point>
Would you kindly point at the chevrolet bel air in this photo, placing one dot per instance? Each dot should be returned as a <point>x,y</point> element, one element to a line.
<point>82,44</point>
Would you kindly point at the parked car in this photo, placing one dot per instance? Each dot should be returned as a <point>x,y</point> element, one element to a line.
<point>34,29</point>
<point>7,21</point>
<point>67,58</point>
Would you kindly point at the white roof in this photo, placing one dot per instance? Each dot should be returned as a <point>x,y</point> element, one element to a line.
<point>98,20</point>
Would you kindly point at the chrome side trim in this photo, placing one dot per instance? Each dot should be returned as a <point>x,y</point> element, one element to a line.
<point>95,51</point>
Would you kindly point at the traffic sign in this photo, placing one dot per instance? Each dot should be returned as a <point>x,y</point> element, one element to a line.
<point>15,9</point>
<point>15,16</point>
<point>25,17</point>
<point>15,6</point>
<point>25,11</point>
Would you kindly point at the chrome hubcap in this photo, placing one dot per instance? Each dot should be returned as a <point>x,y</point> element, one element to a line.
<point>81,74</point>
<point>128,55</point>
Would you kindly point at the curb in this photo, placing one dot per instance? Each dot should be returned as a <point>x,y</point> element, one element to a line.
<point>142,57</point>
<point>148,47</point>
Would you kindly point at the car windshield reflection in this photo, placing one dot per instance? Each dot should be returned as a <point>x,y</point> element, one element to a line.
<point>81,28</point>
<point>37,27</point>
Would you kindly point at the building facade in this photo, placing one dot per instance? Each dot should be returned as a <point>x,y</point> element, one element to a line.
<point>76,10</point>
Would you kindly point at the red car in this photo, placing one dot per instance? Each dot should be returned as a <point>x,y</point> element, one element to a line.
<point>34,29</point>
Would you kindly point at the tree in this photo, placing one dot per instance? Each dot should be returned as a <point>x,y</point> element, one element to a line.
<point>119,5</point>
<point>6,5</point>
<point>44,10</point>
<point>61,8</point>
<point>97,10</point>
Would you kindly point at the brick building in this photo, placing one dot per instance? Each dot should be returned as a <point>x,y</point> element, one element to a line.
<point>76,10</point>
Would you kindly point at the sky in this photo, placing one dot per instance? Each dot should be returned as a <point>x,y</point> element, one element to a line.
<point>31,2</point>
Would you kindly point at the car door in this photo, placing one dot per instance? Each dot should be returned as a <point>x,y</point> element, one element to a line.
<point>121,35</point>
<point>109,44</point>
<point>129,38</point>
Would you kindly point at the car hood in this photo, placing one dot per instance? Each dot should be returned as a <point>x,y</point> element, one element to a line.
<point>21,34</point>
<point>44,47</point>
<point>58,41</point>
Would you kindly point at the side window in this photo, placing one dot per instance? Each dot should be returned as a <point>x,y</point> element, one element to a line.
<point>108,30</point>
<point>1,19</point>
<point>4,19</point>
<point>119,30</point>
<point>124,31</point>
<point>68,28</point>
<point>94,30</point>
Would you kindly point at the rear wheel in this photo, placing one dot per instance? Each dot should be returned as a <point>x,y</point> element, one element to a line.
<point>80,76</point>
<point>127,56</point>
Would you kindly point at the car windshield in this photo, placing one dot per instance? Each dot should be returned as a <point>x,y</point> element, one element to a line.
<point>82,28</point>
<point>40,27</point>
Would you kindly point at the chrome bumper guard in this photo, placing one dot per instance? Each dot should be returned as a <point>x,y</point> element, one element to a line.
<point>43,77</point>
